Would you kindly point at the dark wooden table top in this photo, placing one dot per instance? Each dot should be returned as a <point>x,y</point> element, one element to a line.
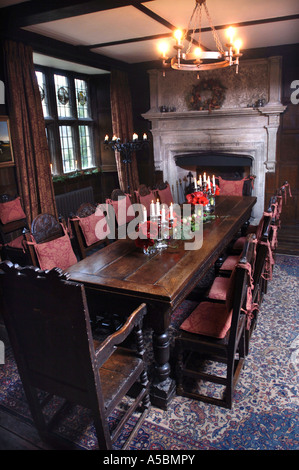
<point>167,275</point>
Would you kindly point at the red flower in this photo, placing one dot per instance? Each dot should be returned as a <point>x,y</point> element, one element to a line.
<point>197,198</point>
<point>148,232</point>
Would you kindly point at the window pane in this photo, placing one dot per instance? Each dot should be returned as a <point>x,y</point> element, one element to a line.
<point>67,149</point>
<point>41,80</point>
<point>82,98</point>
<point>62,96</point>
<point>85,147</point>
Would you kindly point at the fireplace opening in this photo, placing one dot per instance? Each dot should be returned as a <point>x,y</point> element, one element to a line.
<point>226,165</point>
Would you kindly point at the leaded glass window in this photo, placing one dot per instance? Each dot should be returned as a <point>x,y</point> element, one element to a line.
<point>69,125</point>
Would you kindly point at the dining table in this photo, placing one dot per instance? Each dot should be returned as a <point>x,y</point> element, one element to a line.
<point>121,277</point>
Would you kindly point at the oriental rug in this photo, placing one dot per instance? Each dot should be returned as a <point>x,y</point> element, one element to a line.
<point>265,409</point>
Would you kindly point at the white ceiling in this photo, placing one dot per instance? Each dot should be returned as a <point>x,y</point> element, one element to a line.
<point>128,23</point>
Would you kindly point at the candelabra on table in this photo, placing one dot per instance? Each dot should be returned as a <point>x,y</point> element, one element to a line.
<point>209,190</point>
<point>126,149</point>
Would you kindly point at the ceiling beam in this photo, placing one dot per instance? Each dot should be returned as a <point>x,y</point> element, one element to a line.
<point>37,11</point>
<point>62,50</point>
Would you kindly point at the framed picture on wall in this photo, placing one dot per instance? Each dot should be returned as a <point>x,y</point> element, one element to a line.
<point>6,153</point>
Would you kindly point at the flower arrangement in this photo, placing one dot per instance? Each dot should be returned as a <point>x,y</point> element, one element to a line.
<point>197,197</point>
<point>149,233</point>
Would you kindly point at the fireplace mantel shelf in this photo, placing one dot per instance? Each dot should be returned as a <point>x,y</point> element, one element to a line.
<point>269,109</point>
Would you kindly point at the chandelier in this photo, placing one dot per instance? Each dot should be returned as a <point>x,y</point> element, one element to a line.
<point>198,59</point>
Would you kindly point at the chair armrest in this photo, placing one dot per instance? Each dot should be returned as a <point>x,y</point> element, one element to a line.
<point>106,348</point>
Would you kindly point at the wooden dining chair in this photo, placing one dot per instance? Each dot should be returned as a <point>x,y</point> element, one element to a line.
<point>260,253</point>
<point>13,222</point>
<point>219,287</point>
<point>48,243</point>
<point>214,333</point>
<point>84,229</point>
<point>49,330</point>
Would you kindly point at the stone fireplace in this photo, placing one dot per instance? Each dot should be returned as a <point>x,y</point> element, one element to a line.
<point>240,134</point>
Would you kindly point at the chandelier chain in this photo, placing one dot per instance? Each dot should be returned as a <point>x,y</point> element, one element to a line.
<point>198,12</point>
<point>214,32</point>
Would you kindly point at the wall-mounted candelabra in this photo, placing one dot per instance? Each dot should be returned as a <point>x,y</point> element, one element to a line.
<point>126,148</point>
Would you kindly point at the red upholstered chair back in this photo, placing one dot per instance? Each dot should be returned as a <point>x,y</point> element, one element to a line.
<point>122,205</point>
<point>89,228</point>
<point>165,194</point>
<point>241,187</point>
<point>13,222</point>
<point>48,244</point>
<point>145,196</point>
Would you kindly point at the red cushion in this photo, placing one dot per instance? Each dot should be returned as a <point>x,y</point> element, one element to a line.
<point>230,263</point>
<point>17,243</point>
<point>123,209</point>
<point>91,231</point>
<point>56,253</point>
<point>231,188</point>
<point>209,319</point>
<point>165,196</point>
<point>146,201</point>
<point>219,288</point>
<point>11,211</point>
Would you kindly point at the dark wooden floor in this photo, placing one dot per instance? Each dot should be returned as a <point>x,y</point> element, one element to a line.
<point>15,434</point>
<point>288,240</point>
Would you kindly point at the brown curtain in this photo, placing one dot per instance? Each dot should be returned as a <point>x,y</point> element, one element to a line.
<point>122,126</point>
<point>29,141</point>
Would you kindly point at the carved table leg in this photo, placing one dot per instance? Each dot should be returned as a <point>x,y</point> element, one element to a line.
<point>163,387</point>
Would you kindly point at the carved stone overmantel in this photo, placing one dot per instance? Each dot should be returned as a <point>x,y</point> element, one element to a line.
<point>237,127</point>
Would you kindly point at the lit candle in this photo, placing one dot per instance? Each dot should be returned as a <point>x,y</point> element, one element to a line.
<point>51,167</point>
<point>195,183</point>
<point>114,137</point>
<point>163,48</point>
<point>178,34</point>
<point>237,46</point>
<point>144,214</point>
<point>214,180</point>
<point>163,214</point>
<point>135,136</point>
<point>209,182</point>
<point>152,209</point>
<point>171,211</point>
<point>230,33</point>
<point>158,207</point>
<point>144,136</point>
<point>106,137</point>
<point>200,180</point>
<point>204,178</point>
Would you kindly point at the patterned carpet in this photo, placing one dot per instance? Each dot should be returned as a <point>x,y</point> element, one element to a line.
<point>265,409</point>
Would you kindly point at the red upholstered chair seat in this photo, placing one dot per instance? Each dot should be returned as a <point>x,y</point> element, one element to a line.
<point>239,244</point>
<point>230,263</point>
<point>209,319</point>
<point>219,288</point>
